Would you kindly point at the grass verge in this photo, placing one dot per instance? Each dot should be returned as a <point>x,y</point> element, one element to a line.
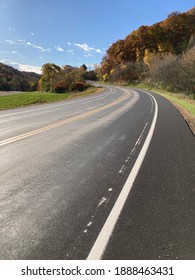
<point>36,97</point>
<point>183,103</point>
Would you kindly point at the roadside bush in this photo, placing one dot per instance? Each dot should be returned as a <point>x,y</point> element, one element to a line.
<point>129,72</point>
<point>80,86</point>
<point>60,80</point>
<point>164,71</point>
<point>174,73</point>
<point>188,66</point>
<point>60,87</point>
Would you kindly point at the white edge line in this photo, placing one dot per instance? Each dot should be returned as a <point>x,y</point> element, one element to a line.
<point>101,242</point>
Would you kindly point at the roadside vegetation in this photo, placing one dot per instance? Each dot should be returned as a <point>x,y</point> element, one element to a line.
<point>160,57</point>
<point>37,97</point>
<point>58,79</point>
<point>55,84</point>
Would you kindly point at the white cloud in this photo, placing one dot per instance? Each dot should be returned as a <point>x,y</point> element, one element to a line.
<point>23,42</point>
<point>87,48</point>
<point>88,55</point>
<point>98,51</point>
<point>38,47</point>
<point>69,43</point>
<point>45,50</point>
<point>29,68</point>
<point>70,51</point>
<point>8,52</point>
<point>10,42</point>
<point>32,33</point>
<point>22,67</point>
<point>59,49</point>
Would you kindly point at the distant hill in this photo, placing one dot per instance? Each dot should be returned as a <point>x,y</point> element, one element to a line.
<point>13,79</point>
<point>173,35</point>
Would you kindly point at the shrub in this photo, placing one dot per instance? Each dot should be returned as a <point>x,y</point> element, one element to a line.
<point>80,86</point>
<point>175,73</point>
<point>60,87</point>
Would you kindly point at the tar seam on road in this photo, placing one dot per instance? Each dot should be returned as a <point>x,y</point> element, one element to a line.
<point>66,121</point>
<point>102,240</point>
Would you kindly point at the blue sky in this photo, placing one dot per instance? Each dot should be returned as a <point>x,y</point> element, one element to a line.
<point>72,32</point>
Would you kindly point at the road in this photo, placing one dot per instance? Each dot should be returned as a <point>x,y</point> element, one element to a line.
<point>108,176</point>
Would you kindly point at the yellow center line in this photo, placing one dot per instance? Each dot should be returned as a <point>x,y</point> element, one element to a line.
<point>66,121</point>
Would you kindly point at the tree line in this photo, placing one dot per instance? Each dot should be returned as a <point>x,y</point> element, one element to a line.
<point>13,79</point>
<point>162,54</point>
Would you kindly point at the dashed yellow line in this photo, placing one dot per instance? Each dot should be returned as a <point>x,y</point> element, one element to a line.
<point>66,121</point>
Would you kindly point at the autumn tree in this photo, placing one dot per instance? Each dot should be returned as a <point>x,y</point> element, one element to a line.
<point>160,43</point>
<point>178,30</point>
<point>65,79</point>
<point>50,75</point>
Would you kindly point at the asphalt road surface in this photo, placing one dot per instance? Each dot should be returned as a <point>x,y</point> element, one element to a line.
<point>108,176</point>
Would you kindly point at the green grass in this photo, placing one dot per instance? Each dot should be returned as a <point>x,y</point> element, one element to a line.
<point>188,104</point>
<point>30,98</point>
<point>176,98</point>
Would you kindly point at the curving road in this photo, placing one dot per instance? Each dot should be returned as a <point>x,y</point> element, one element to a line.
<point>106,176</point>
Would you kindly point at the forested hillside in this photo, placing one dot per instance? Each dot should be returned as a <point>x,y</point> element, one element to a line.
<point>13,79</point>
<point>163,53</point>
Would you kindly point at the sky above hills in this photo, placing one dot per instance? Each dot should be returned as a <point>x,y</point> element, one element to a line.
<point>72,32</point>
